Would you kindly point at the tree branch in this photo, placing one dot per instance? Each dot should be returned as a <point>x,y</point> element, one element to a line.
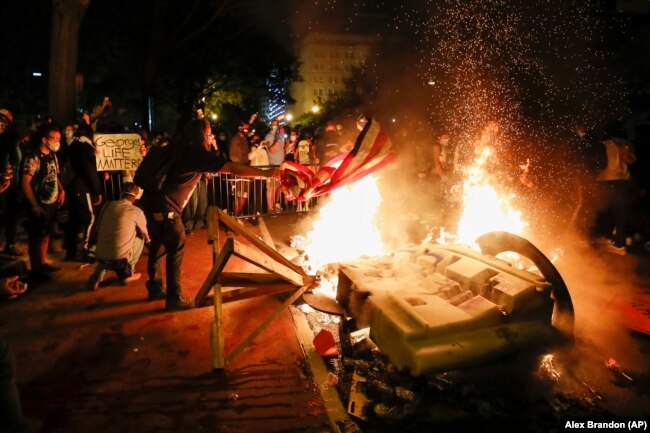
<point>225,7</point>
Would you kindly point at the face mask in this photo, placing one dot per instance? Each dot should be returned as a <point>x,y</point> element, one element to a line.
<point>54,147</point>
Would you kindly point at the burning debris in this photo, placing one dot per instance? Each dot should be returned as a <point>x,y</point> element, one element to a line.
<point>547,368</point>
<point>613,365</point>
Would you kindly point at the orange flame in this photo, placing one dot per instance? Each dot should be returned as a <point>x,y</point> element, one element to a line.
<point>484,208</point>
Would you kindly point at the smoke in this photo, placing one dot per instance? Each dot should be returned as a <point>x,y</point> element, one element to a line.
<point>601,286</point>
<point>536,69</point>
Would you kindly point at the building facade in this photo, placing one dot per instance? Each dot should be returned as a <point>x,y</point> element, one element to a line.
<point>327,60</point>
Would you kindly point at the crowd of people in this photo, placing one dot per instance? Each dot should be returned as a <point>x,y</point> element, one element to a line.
<point>52,186</point>
<point>51,183</point>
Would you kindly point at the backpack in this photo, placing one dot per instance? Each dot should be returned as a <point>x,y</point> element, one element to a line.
<point>152,172</point>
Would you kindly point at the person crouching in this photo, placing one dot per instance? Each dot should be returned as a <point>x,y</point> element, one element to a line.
<point>119,235</point>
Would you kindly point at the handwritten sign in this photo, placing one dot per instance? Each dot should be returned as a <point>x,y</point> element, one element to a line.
<point>117,152</point>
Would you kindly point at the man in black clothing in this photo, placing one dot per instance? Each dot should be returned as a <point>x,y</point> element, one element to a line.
<point>85,192</point>
<point>163,209</point>
<point>44,195</point>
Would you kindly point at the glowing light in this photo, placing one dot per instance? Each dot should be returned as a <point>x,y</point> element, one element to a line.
<point>315,109</point>
<point>431,83</point>
<point>214,116</point>
<point>345,227</point>
<point>485,209</point>
<point>289,117</point>
<point>37,74</point>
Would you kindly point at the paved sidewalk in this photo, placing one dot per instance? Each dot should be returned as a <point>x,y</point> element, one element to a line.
<point>110,361</point>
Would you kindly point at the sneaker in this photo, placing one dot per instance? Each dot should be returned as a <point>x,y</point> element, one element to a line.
<point>46,267</point>
<point>95,279</point>
<point>179,304</point>
<point>621,251</point>
<point>157,295</point>
<point>11,250</point>
<point>134,277</point>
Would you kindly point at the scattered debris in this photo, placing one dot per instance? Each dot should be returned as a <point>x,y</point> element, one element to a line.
<point>548,369</point>
<point>298,242</point>
<point>358,402</point>
<point>347,426</point>
<point>613,365</point>
<point>332,379</point>
<point>591,390</point>
<point>325,344</point>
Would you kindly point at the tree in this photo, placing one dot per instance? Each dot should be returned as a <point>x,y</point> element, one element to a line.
<point>66,21</point>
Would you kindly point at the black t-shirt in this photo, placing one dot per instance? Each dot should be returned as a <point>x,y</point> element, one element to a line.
<point>183,177</point>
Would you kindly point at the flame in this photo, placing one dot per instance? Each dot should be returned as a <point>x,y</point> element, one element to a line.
<point>345,227</point>
<point>484,208</point>
<point>548,369</point>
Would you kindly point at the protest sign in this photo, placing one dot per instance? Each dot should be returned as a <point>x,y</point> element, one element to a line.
<point>117,152</point>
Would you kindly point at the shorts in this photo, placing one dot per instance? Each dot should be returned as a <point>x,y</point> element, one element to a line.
<point>41,226</point>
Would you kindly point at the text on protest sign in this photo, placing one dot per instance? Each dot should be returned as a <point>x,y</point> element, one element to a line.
<point>117,151</point>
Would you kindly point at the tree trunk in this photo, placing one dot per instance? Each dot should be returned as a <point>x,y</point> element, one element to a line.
<point>66,21</point>
<point>155,54</point>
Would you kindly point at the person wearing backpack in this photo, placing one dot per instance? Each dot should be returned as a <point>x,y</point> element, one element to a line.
<point>44,194</point>
<point>191,157</point>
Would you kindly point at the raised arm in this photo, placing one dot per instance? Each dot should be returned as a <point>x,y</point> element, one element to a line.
<point>248,171</point>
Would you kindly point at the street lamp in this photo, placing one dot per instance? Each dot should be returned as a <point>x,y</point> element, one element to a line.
<point>315,109</point>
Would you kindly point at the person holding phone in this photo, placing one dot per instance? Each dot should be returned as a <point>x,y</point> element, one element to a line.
<point>100,114</point>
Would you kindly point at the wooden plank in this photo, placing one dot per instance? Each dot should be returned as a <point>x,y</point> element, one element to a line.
<point>267,263</point>
<point>249,279</point>
<point>266,235</point>
<point>212,219</point>
<point>290,300</point>
<point>230,222</point>
<point>218,266</point>
<point>217,338</point>
<point>234,294</point>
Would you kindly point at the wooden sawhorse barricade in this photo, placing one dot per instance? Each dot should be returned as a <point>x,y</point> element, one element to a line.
<point>282,275</point>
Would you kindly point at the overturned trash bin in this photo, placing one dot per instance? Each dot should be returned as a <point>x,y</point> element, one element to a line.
<point>437,308</point>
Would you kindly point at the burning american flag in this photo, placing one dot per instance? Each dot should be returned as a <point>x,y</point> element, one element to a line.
<point>372,151</point>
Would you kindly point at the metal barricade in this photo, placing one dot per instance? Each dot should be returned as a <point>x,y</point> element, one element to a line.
<point>240,197</point>
<point>243,197</point>
<point>112,184</point>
